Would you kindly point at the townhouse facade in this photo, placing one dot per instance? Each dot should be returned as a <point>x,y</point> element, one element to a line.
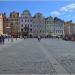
<point>49,25</point>
<point>6,25</point>
<point>39,24</point>
<point>13,20</point>
<point>69,28</point>
<point>26,20</point>
<point>58,26</point>
<point>1,24</point>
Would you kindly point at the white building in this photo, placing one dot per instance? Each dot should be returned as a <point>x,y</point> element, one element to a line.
<point>26,20</point>
<point>39,24</point>
<point>58,26</point>
<point>69,28</point>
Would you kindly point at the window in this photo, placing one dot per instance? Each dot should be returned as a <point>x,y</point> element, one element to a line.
<point>34,25</point>
<point>26,17</point>
<point>60,31</point>
<point>28,25</point>
<point>13,16</point>
<point>25,25</point>
<point>30,30</point>
<point>25,20</point>
<point>17,23</point>
<point>30,20</point>
<point>22,25</point>
<point>22,30</point>
<point>22,20</point>
<point>11,23</point>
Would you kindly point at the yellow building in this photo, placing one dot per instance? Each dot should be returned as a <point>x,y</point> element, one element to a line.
<point>1,24</point>
<point>14,23</point>
<point>69,28</point>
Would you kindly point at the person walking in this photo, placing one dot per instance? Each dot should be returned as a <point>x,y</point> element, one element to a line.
<point>39,38</point>
<point>24,37</point>
<point>11,38</point>
<point>2,39</point>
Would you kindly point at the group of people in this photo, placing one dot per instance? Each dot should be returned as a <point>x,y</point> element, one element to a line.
<point>2,39</point>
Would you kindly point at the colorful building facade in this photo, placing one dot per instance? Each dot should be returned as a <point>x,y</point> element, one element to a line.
<point>1,24</point>
<point>39,24</point>
<point>26,20</point>
<point>58,26</point>
<point>69,28</point>
<point>13,20</point>
<point>49,25</point>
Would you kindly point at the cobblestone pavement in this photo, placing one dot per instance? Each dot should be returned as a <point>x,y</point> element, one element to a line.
<point>9,42</point>
<point>63,52</point>
<point>32,57</point>
<point>24,57</point>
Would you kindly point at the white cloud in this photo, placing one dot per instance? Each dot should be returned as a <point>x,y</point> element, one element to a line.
<point>73,17</point>
<point>55,13</point>
<point>64,9</point>
<point>67,16</point>
<point>68,8</point>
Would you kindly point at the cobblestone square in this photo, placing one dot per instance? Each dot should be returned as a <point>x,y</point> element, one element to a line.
<point>49,56</point>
